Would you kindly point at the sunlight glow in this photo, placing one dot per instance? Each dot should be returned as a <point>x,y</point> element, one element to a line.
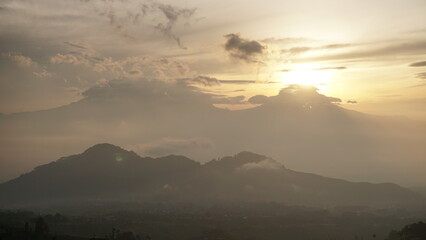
<point>307,74</point>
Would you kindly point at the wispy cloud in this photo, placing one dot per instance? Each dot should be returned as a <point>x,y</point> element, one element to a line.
<point>303,49</point>
<point>316,69</point>
<point>162,17</point>
<point>330,68</point>
<point>418,64</point>
<point>374,51</point>
<point>421,75</point>
<point>237,81</point>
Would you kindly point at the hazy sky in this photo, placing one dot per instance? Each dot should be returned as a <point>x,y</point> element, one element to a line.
<point>359,51</point>
<point>157,77</point>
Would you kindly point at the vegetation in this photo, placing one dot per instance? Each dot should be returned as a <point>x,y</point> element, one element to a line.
<point>226,221</point>
<point>415,231</point>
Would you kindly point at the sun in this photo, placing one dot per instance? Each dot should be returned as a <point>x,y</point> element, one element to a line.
<point>306,74</point>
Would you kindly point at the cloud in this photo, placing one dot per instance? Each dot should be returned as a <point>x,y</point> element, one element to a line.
<point>160,68</point>
<point>295,50</point>
<point>123,16</point>
<point>205,81</point>
<point>418,64</point>
<point>352,102</point>
<point>242,48</point>
<point>267,164</point>
<point>316,69</point>
<point>370,51</point>
<point>75,44</point>
<point>70,59</point>
<point>20,60</point>
<point>220,99</point>
<point>421,75</point>
<point>29,64</point>
<point>284,41</point>
<point>335,46</point>
<point>167,146</point>
<point>296,95</point>
<point>237,81</point>
<point>330,68</point>
<point>258,99</point>
<point>173,14</point>
<point>303,49</point>
<point>43,73</point>
<point>150,92</point>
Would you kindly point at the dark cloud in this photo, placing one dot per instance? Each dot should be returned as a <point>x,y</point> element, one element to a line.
<point>330,68</point>
<point>335,46</point>
<point>418,64</point>
<point>352,102</point>
<point>219,99</point>
<point>237,81</point>
<point>205,81</point>
<point>421,75</point>
<point>258,99</point>
<point>75,45</point>
<point>243,48</point>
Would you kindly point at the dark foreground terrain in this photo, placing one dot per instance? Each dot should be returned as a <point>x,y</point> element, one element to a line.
<point>227,221</point>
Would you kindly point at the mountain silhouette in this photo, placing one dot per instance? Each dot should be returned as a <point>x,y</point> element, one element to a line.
<point>109,173</point>
<point>307,129</point>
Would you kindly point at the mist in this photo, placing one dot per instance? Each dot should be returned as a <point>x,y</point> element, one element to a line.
<point>159,119</point>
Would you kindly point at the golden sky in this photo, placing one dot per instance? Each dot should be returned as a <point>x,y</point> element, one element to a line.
<point>363,52</point>
<point>146,75</point>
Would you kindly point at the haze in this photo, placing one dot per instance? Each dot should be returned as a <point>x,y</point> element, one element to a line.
<point>332,87</point>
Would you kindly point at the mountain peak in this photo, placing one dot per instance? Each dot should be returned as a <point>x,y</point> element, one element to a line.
<point>104,148</point>
<point>250,155</point>
<point>105,152</point>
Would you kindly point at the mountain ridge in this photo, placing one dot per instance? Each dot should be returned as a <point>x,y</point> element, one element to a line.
<point>105,171</point>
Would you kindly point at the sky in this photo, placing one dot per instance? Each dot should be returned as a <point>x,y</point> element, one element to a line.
<point>78,72</point>
<point>363,52</point>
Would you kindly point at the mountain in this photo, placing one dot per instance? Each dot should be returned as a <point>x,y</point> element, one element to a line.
<point>107,173</point>
<point>307,129</point>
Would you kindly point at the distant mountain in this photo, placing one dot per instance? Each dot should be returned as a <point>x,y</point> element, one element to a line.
<point>308,129</point>
<point>106,172</point>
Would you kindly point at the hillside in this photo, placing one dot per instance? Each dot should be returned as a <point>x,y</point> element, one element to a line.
<point>107,173</point>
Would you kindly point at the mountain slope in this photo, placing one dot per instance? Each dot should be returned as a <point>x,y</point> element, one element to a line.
<point>306,128</point>
<point>109,173</point>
